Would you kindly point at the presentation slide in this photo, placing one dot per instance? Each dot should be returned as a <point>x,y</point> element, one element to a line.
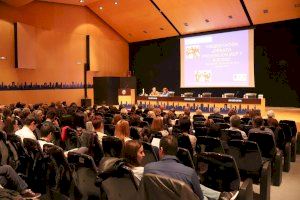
<point>218,60</point>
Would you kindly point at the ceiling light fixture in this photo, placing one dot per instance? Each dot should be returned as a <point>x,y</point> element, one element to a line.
<point>265,11</point>
<point>230,17</point>
<point>116,3</point>
<point>81,1</point>
<point>186,24</point>
<point>145,31</point>
<point>100,7</point>
<point>206,20</point>
<point>161,28</point>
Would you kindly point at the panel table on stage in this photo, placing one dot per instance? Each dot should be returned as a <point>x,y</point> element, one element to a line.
<point>205,104</point>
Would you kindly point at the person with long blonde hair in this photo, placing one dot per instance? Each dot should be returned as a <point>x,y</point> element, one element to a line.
<point>122,130</point>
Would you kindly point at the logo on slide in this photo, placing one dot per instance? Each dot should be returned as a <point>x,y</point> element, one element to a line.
<point>193,52</point>
<point>203,76</point>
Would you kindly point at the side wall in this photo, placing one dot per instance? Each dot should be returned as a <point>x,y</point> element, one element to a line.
<point>61,48</point>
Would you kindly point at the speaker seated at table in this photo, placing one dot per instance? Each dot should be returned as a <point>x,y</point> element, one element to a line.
<point>250,96</point>
<point>228,95</point>
<point>206,94</point>
<point>188,94</point>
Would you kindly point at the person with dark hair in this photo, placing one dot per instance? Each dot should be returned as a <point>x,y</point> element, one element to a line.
<point>28,128</point>
<point>235,122</point>
<point>133,153</point>
<point>185,126</point>
<point>98,126</point>
<point>258,127</point>
<point>46,131</point>
<point>170,166</point>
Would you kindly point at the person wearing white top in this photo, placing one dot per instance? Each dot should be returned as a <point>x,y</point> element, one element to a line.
<point>134,154</point>
<point>28,128</point>
<point>98,126</point>
<point>235,122</point>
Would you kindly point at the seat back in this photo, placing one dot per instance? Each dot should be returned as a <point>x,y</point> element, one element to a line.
<point>246,128</point>
<point>197,118</point>
<point>160,187</point>
<point>223,125</point>
<point>33,148</point>
<point>150,155</point>
<point>59,175</point>
<point>4,151</point>
<point>218,171</point>
<point>112,146</point>
<point>84,174</point>
<point>265,142</point>
<point>209,144</point>
<point>185,158</point>
<point>245,120</point>
<point>198,124</point>
<point>122,185</point>
<point>287,131</point>
<point>246,154</point>
<point>218,120</point>
<point>201,131</point>
<point>185,142</point>
<point>227,135</point>
<point>292,124</point>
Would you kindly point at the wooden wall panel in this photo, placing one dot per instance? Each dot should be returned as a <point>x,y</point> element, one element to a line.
<point>61,48</point>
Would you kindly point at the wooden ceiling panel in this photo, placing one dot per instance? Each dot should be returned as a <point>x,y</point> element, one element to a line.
<point>265,11</point>
<point>72,2</point>
<point>16,3</point>
<point>135,20</point>
<point>194,16</point>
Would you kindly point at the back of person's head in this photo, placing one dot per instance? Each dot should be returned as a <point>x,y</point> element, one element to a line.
<point>134,120</point>
<point>116,118</point>
<point>231,112</point>
<point>185,124</point>
<point>123,111</point>
<point>122,129</point>
<point>216,110</point>
<point>187,111</point>
<point>235,121</point>
<point>208,122</point>
<point>97,122</point>
<point>151,114</point>
<point>46,129</point>
<point>51,114</point>
<point>79,120</point>
<point>25,113</point>
<point>130,152</point>
<point>67,120</point>
<point>29,119</point>
<point>271,114</point>
<point>157,124</point>
<point>273,122</point>
<point>169,145</point>
<point>198,112</point>
<point>258,122</point>
<point>157,111</point>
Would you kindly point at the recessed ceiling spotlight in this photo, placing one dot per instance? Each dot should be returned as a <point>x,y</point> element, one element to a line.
<point>161,28</point>
<point>81,1</point>
<point>230,17</point>
<point>116,3</point>
<point>206,20</point>
<point>186,24</point>
<point>101,7</point>
<point>265,11</point>
<point>145,31</point>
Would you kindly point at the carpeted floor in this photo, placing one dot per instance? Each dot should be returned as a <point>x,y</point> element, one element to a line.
<point>290,186</point>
